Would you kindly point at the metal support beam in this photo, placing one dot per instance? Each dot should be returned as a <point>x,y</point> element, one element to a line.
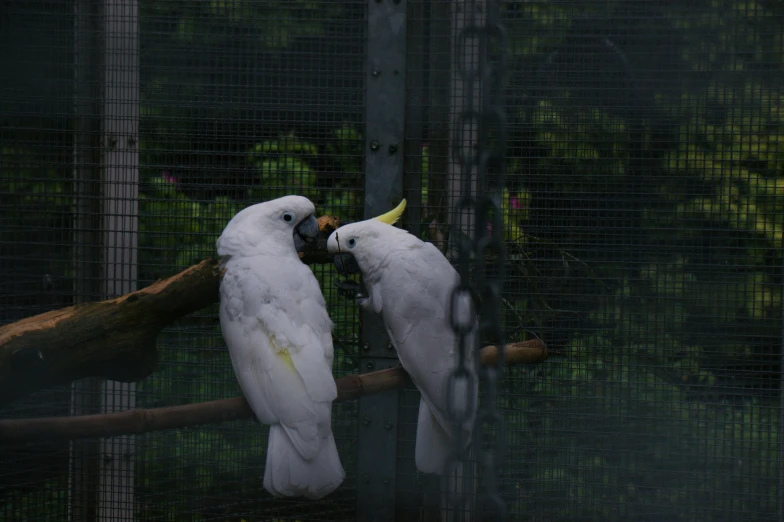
<point>106,178</point>
<point>120,230</point>
<point>384,133</point>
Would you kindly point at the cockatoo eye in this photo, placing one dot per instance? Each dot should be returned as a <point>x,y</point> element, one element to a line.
<point>288,217</point>
<point>352,242</point>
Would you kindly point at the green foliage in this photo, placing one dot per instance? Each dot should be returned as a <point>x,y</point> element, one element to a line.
<point>346,148</point>
<point>36,207</point>
<point>283,169</point>
<point>210,459</point>
<point>49,502</point>
<point>274,25</point>
<point>29,183</point>
<point>39,196</point>
<point>738,157</point>
<point>210,65</point>
<point>641,446</point>
<point>658,402</point>
<point>175,231</point>
<point>591,141</point>
<point>289,165</point>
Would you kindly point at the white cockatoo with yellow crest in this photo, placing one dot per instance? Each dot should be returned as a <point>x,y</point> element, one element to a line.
<point>409,283</point>
<point>274,320</point>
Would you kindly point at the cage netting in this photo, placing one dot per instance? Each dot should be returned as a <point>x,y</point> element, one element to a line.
<point>641,214</point>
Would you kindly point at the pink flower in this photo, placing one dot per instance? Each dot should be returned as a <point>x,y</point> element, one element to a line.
<point>515,203</point>
<point>168,178</point>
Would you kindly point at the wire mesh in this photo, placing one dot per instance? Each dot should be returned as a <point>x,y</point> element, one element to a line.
<point>640,173</point>
<point>642,220</point>
<point>36,147</point>
<point>239,102</point>
<point>242,102</point>
<point>644,130</point>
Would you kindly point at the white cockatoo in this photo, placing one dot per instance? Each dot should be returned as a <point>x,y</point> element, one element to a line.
<point>410,283</point>
<point>274,320</point>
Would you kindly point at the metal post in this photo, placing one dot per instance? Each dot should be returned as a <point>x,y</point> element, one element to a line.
<point>384,121</point>
<point>411,485</point>
<point>106,177</point>
<point>120,229</point>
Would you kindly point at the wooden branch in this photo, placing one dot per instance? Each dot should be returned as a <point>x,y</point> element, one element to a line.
<point>146,420</point>
<point>112,339</point>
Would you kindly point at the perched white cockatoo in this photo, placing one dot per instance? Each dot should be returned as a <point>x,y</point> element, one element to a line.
<point>275,323</point>
<point>410,283</point>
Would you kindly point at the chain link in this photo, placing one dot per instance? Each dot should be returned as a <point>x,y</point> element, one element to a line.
<point>483,251</point>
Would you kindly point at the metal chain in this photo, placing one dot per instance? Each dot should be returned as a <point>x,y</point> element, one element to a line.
<point>488,158</point>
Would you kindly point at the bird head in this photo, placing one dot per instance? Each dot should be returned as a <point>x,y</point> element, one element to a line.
<point>282,226</point>
<point>357,246</point>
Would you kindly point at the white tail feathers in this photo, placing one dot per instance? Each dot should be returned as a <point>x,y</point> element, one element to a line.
<point>433,446</point>
<point>432,442</point>
<point>287,474</point>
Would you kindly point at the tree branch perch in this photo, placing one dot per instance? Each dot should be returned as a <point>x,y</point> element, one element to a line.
<point>146,420</point>
<point>113,339</point>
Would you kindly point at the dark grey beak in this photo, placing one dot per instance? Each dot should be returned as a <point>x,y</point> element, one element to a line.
<point>306,233</point>
<point>346,264</point>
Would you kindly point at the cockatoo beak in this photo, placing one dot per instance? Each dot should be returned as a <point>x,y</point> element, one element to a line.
<point>346,264</point>
<point>306,233</point>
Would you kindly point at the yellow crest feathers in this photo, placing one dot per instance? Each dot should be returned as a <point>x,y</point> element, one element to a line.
<point>391,217</point>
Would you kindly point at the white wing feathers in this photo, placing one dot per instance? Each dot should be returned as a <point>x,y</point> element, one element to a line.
<point>417,286</point>
<point>276,325</point>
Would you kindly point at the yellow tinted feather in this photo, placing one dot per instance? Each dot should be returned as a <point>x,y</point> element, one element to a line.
<point>286,358</point>
<point>283,354</point>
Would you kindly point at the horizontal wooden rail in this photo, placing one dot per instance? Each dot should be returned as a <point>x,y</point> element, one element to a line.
<point>146,420</point>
